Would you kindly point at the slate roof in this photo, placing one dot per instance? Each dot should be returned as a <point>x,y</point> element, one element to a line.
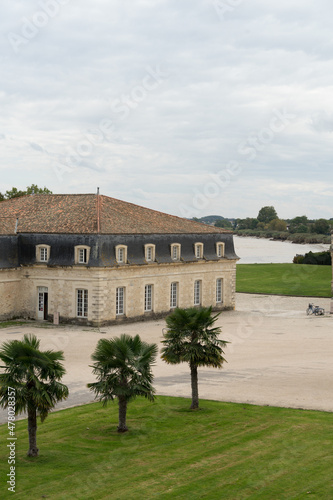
<point>90,214</point>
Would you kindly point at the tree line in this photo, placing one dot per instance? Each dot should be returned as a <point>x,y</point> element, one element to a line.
<point>267,224</point>
<point>268,220</point>
<point>16,193</point>
<point>31,380</point>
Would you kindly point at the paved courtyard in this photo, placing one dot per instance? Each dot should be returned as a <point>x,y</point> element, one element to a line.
<point>277,355</point>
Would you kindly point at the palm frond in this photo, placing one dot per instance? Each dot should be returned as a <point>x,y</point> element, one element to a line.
<point>123,368</point>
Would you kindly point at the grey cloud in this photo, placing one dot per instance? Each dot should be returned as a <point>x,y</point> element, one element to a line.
<point>37,147</point>
<point>226,78</point>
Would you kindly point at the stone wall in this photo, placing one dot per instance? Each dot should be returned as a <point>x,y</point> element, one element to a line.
<point>10,293</point>
<point>19,289</point>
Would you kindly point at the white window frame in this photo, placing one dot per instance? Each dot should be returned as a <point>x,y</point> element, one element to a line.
<point>198,250</point>
<point>175,251</point>
<point>149,290</point>
<point>43,250</point>
<point>121,254</point>
<point>82,303</point>
<point>120,301</point>
<point>174,287</point>
<point>43,254</point>
<point>150,252</point>
<point>197,292</point>
<point>220,248</point>
<point>81,254</point>
<point>219,291</point>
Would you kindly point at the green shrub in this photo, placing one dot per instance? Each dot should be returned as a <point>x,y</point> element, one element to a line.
<point>298,259</point>
<point>318,258</point>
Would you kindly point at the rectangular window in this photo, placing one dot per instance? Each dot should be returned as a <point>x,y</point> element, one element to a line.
<point>198,252</point>
<point>43,254</point>
<point>82,255</point>
<point>220,249</point>
<point>149,256</point>
<point>175,253</point>
<point>120,300</point>
<point>82,303</point>
<point>148,298</point>
<point>174,295</point>
<point>120,257</point>
<point>219,291</point>
<point>197,293</point>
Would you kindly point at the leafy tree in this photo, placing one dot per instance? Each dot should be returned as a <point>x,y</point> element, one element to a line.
<point>299,224</point>
<point>123,369</point>
<point>16,193</point>
<point>299,220</point>
<point>266,214</point>
<point>224,223</point>
<point>36,190</point>
<point>191,338</point>
<point>248,223</point>
<point>32,377</point>
<point>277,225</point>
<point>321,226</point>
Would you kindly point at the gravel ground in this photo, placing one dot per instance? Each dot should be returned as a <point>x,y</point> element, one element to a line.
<point>277,355</point>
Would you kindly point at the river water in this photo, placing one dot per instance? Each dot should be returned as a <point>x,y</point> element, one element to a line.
<point>265,251</point>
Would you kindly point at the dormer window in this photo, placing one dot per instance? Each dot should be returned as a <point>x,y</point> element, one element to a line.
<point>82,254</point>
<point>121,254</point>
<point>42,253</point>
<point>198,250</point>
<point>175,251</point>
<point>220,249</point>
<point>150,253</point>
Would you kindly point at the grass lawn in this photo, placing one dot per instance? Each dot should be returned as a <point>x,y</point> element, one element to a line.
<point>223,451</point>
<point>284,279</point>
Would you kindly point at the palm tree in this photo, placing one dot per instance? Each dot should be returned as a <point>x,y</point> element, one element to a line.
<point>32,377</point>
<point>191,338</point>
<point>123,368</point>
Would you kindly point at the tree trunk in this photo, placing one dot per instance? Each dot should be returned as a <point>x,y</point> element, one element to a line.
<point>194,385</point>
<point>122,402</point>
<point>32,430</point>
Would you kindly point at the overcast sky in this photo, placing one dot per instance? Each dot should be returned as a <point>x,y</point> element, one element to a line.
<point>191,107</point>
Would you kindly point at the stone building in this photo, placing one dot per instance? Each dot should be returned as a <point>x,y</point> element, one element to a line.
<point>94,259</point>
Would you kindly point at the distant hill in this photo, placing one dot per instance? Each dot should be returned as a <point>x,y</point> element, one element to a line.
<point>210,219</point>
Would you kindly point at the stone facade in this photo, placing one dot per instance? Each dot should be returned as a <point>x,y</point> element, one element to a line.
<point>19,290</point>
<point>84,279</point>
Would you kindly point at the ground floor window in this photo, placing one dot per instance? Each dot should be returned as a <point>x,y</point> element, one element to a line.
<point>174,295</point>
<point>148,298</point>
<point>120,300</point>
<point>197,293</point>
<point>219,291</point>
<point>82,303</point>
